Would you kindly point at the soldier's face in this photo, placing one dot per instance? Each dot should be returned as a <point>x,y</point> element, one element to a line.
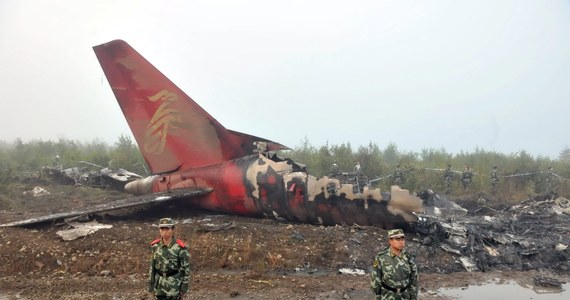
<point>166,232</point>
<point>397,243</point>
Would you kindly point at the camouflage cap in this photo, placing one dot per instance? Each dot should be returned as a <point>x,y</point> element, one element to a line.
<point>394,233</point>
<point>165,222</point>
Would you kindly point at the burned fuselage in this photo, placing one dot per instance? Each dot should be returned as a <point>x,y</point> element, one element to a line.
<point>266,185</point>
<point>187,148</point>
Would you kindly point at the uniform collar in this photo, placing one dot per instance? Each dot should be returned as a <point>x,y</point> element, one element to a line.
<point>172,241</point>
<point>394,254</point>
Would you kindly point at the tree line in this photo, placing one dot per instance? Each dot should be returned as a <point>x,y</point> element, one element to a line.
<point>19,157</point>
<point>521,174</point>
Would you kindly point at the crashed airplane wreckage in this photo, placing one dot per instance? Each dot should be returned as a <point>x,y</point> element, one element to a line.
<point>528,236</point>
<point>103,178</point>
<point>195,158</point>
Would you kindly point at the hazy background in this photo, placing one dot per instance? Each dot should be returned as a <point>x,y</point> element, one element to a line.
<point>420,74</point>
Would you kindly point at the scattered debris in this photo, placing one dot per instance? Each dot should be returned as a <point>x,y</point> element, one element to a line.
<point>81,230</point>
<point>521,237</point>
<point>259,249</point>
<point>544,281</point>
<point>351,271</point>
<point>216,227</point>
<point>38,191</point>
<point>297,236</point>
<point>103,178</point>
<point>468,264</point>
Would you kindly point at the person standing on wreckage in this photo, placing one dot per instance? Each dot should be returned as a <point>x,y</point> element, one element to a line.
<point>394,271</point>
<point>169,272</point>
<point>398,176</point>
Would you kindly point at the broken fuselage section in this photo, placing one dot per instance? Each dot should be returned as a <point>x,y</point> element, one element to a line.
<point>266,185</point>
<point>103,178</point>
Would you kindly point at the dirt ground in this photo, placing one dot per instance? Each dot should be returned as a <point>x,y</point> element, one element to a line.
<point>231,257</point>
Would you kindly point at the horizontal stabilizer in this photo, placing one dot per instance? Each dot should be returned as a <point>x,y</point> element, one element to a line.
<point>118,204</point>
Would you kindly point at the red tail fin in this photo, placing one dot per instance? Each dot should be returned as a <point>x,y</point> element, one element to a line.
<point>172,130</point>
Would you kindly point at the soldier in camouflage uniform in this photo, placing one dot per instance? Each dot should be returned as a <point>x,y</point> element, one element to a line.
<point>466,177</point>
<point>398,176</point>
<point>494,179</point>
<point>169,272</point>
<point>448,177</point>
<point>394,271</point>
<point>334,170</point>
<point>549,176</point>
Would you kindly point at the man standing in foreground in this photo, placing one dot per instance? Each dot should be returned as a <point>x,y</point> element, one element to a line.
<point>394,271</point>
<point>169,272</point>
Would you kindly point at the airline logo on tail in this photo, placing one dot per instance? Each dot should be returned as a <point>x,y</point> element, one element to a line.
<point>163,120</point>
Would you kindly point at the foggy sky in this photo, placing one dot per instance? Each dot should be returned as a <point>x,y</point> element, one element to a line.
<point>457,75</point>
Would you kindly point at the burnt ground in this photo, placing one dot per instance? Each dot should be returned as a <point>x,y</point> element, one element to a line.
<point>231,257</point>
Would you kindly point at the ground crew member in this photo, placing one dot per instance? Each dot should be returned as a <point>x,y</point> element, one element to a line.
<point>169,272</point>
<point>448,177</point>
<point>398,176</point>
<point>494,179</point>
<point>466,177</point>
<point>394,271</point>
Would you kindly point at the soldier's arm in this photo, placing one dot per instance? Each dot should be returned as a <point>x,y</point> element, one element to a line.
<point>413,278</point>
<point>184,257</point>
<point>375,277</point>
<point>151,272</point>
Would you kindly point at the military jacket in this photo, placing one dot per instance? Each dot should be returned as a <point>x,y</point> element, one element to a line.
<point>467,176</point>
<point>169,271</point>
<point>448,174</point>
<point>494,176</point>
<point>398,175</point>
<point>392,272</point>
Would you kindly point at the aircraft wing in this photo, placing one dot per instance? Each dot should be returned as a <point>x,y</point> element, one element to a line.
<point>118,204</point>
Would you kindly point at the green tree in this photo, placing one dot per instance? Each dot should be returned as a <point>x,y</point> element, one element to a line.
<point>370,157</point>
<point>125,154</point>
<point>69,152</point>
<point>305,154</point>
<point>391,154</point>
<point>97,152</point>
<point>564,156</point>
<point>323,161</point>
<point>343,156</point>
